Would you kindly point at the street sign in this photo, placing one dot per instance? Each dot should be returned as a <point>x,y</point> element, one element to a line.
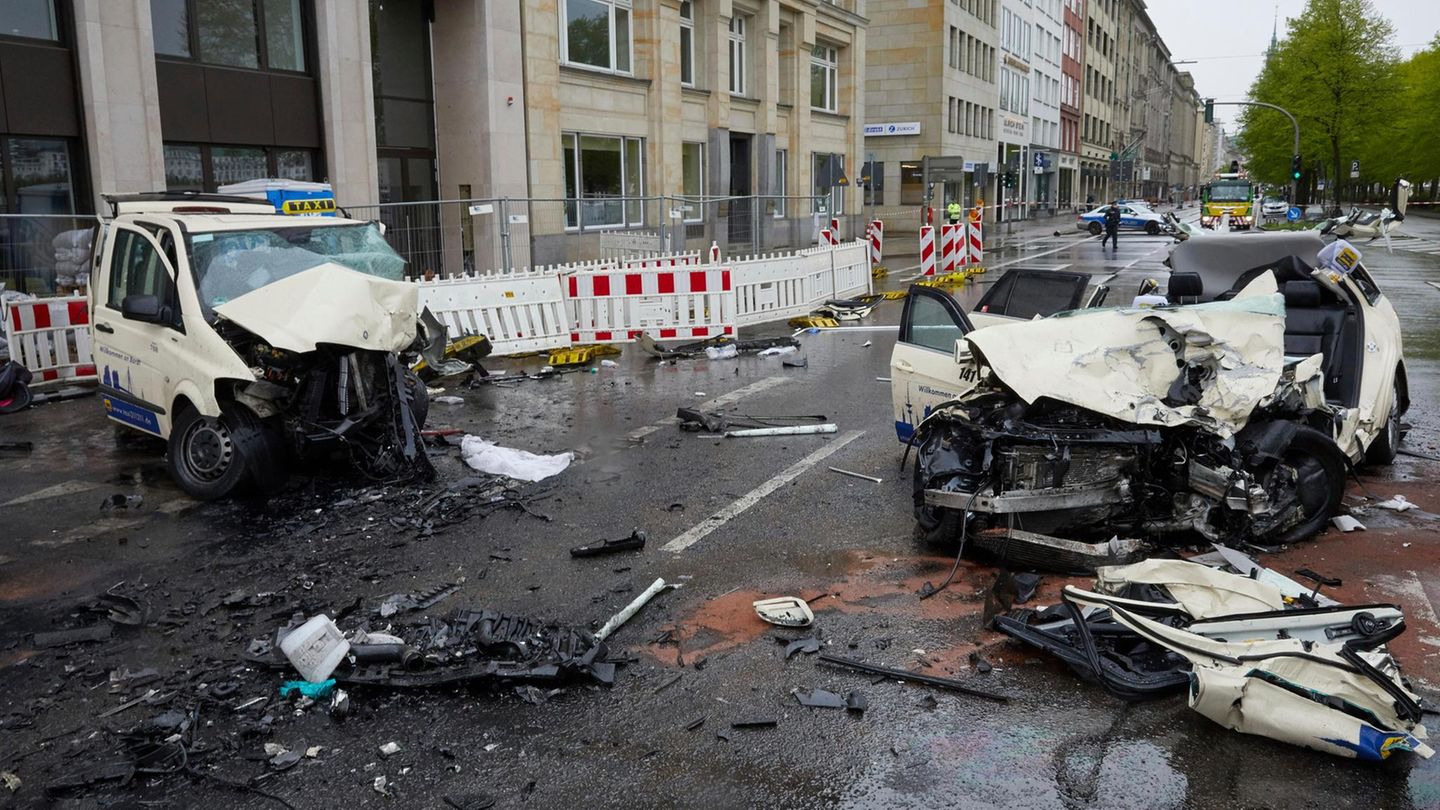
<point>1293,214</point>
<point>1354,170</point>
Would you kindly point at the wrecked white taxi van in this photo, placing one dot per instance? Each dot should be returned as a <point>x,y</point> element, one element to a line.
<point>245,338</point>
<point>1080,439</point>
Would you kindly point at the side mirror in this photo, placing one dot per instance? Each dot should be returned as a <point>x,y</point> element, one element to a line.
<point>141,308</point>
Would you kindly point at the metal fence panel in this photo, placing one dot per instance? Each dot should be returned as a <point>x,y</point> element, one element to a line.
<point>45,254</point>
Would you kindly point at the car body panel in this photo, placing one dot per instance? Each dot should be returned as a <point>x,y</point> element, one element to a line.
<point>1131,218</point>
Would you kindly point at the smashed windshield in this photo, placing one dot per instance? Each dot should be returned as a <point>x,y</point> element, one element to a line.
<point>229,264</point>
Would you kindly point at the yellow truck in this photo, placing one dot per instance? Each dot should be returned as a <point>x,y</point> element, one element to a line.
<point>1230,194</point>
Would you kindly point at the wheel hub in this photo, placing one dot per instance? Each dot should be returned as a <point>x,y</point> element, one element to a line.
<point>209,449</point>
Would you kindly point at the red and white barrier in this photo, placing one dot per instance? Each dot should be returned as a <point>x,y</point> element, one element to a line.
<point>827,237</point>
<point>835,229</point>
<point>952,247</point>
<point>974,243</point>
<point>927,250</point>
<point>51,337</point>
<point>876,233</point>
<point>678,260</point>
<point>609,305</point>
<point>714,253</point>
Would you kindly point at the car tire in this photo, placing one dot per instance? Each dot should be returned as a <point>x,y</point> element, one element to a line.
<point>1095,229</point>
<point>934,525</point>
<point>1321,468</point>
<point>1152,228</point>
<point>1386,446</point>
<point>419,398</point>
<point>207,455</point>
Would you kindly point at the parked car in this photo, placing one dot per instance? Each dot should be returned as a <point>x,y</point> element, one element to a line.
<point>1080,437</point>
<point>1132,217</point>
<point>245,338</point>
<point>1274,208</point>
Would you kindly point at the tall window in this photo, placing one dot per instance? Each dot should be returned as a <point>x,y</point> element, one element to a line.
<point>781,164</point>
<point>875,189</point>
<point>604,178</point>
<point>824,73</point>
<point>687,44</point>
<point>268,34</point>
<point>826,170</point>
<point>737,55</point>
<point>692,164</point>
<point>596,34</point>
<point>29,19</point>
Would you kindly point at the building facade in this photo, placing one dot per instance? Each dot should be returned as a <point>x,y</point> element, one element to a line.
<point>1045,64</point>
<point>1097,125</point>
<point>1017,36</point>
<point>932,67</point>
<point>1072,55</point>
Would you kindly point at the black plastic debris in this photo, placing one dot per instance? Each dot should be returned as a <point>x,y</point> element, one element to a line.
<point>820,699</point>
<point>420,600</point>
<point>635,542</point>
<point>981,665</point>
<point>64,638</point>
<point>810,644</point>
<point>756,722</point>
<point>470,801</point>
<point>1025,587</point>
<point>285,760</point>
<point>696,421</point>
<point>696,723</point>
<point>857,702</point>
<point>916,677</point>
<point>17,447</point>
<point>121,501</point>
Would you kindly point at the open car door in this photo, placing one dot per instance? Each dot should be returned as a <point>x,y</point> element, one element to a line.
<point>1026,294</point>
<point>923,367</point>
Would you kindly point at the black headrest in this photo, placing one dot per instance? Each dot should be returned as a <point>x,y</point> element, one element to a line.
<point>1184,285</point>
<point>1302,294</point>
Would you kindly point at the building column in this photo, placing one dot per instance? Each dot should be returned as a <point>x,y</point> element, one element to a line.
<point>347,99</point>
<point>120,99</point>
<point>479,128</point>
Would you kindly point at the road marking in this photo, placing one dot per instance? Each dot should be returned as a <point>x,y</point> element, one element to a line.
<point>1037,255</point>
<point>67,488</point>
<point>1435,284</point>
<point>711,404</point>
<point>699,531</point>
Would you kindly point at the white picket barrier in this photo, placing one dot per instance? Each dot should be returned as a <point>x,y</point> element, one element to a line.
<point>51,337</point>
<point>631,244</point>
<point>779,286</point>
<point>519,312</point>
<point>614,305</point>
<point>669,260</point>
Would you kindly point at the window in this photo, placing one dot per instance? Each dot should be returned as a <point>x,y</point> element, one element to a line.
<point>596,34</point>
<point>687,44</point>
<point>261,34</point>
<point>601,172</point>
<point>40,176</point>
<point>875,189</point>
<point>823,73</point>
<point>136,269</point>
<point>781,164</point>
<point>737,55</point>
<point>826,170</point>
<point>912,186</point>
<point>692,164</point>
<point>29,19</point>
<point>931,325</point>
<point>203,167</point>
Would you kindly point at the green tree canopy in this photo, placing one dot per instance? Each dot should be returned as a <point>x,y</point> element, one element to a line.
<point>1338,72</point>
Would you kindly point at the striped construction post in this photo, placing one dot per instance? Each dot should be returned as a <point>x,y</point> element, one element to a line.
<point>827,237</point>
<point>974,243</point>
<point>952,247</point>
<point>927,250</point>
<point>835,229</point>
<point>877,241</point>
<point>714,252</point>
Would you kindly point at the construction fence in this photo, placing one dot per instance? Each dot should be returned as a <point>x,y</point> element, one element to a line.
<point>43,254</point>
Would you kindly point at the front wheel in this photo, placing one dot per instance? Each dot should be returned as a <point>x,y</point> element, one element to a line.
<point>1318,469</point>
<point>1387,445</point>
<point>213,457</point>
<point>1095,229</point>
<point>1152,228</point>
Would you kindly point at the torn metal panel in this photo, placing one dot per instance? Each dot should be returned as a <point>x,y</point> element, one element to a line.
<point>1202,591</point>
<point>329,304</point>
<point>1123,362</point>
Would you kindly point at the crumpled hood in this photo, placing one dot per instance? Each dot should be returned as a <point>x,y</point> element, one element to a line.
<point>329,304</point>
<point>1126,362</point>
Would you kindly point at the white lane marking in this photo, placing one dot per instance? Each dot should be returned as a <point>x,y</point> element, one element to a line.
<point>1410,592</point>
<point>698,532</point>
<point>1019,259</point>
<point>711,404</point>
<point>67,488</point>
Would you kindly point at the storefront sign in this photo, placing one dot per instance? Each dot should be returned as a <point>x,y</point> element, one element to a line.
<point>902,128</point>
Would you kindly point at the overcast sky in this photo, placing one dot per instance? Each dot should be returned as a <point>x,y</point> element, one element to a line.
<point>1228,48</point>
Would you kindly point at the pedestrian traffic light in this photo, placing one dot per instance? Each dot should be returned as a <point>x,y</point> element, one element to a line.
<point>1209,110</point>
<point>1295,168</point>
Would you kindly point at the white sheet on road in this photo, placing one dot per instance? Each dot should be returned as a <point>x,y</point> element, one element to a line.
<point>489,457</point>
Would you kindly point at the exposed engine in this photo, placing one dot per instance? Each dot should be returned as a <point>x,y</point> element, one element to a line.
<point>996,466</point>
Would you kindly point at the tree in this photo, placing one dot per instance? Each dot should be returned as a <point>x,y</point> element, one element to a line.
<point>1337,72</point>
<point>1415,143</point>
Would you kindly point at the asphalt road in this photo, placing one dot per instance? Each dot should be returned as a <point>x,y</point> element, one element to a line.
<point>731,520</point>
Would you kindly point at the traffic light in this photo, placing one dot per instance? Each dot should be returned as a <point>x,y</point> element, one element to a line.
<point>1209,110</point>
<point>1295,168</point>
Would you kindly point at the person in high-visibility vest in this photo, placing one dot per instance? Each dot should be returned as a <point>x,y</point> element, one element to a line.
<point>953,212</point>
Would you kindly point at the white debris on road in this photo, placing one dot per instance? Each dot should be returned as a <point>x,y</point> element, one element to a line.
<point>522,465</point>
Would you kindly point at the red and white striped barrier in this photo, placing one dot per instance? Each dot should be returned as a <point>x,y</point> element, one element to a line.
<point>714,253</point>
<point>827,237</point>
<point>876,233</point>
<point>835,229</point>
<point>974,243</point>
<point>952,247</point>
<point>609,305</point>
<point>927,250</point>
<point>51,337</point>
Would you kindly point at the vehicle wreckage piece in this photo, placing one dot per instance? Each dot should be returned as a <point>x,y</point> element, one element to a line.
<point>786,611</point>
<point>1203,592</point>
<point>660,351</point>
<point>1344,698</point>
<point>631,609</point>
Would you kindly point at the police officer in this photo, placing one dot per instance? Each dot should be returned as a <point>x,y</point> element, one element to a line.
<point>953,212</point>
<point>1112,227</point>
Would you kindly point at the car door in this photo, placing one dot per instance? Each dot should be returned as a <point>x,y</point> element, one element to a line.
<point>136,314</point>
<point>923,367</point>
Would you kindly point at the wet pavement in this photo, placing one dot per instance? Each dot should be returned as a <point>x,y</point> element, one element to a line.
<point>756,517</point>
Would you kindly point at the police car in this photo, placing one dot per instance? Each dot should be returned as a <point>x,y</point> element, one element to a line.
<point>1132,217</point>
